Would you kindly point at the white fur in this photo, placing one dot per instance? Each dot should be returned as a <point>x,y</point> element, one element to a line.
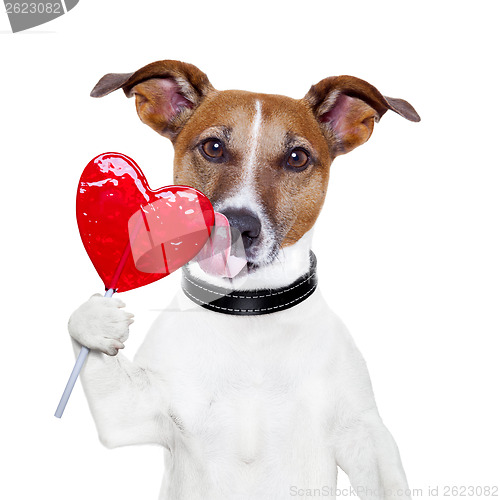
<point>254,141</point>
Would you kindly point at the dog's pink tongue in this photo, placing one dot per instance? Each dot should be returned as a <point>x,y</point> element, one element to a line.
<point>215,257</point>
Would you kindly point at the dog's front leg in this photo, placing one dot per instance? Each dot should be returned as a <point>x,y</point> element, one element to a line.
<point>368,454</point>
<point>125,399</point>
<point>364,448</point>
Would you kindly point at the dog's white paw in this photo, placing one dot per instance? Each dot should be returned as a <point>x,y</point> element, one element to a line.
<point>101,324</point>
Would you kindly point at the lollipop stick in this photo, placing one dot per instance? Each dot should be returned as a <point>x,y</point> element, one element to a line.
<point>82,356</point>
<point>84,351</point>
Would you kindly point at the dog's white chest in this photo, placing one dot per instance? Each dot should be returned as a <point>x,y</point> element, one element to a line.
<point>244,391</point>
<point>252,392</point>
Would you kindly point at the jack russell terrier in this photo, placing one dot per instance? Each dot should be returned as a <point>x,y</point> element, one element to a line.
<point>251,384</point>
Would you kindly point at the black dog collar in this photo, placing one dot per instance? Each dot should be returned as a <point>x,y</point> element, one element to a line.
<point>247,303</point>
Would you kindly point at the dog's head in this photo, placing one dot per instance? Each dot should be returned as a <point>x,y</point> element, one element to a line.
<point>263,160</point>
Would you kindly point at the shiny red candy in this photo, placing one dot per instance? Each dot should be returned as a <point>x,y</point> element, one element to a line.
<point>135,235</point>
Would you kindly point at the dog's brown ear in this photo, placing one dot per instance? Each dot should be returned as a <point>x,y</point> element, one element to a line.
<point>166,93</point>
<point>347,108</point>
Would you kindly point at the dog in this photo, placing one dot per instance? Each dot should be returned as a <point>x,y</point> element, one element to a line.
<point>251,384</point>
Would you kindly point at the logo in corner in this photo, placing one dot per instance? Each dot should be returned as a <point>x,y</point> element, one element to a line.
<point>26,15</point>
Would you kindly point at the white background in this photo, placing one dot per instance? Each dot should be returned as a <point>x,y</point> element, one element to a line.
<point>408,242</point>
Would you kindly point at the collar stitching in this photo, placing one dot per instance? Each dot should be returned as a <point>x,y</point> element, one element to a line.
<point>270,294</point>
<point>281,306</point>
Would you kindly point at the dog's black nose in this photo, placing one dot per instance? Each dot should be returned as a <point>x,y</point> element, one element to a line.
<point>246,223</point>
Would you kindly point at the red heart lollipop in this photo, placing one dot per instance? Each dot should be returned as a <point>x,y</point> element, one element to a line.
<point>135,235</point>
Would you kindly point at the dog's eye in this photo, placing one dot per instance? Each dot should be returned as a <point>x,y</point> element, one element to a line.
<point>213,148</point>
<point>298,159</point>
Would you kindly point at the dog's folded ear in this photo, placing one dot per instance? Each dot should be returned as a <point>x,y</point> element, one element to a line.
<point>166,93</point>
<point>347,108</point>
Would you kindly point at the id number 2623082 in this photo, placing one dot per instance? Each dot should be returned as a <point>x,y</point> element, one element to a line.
<point>33,8</point>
